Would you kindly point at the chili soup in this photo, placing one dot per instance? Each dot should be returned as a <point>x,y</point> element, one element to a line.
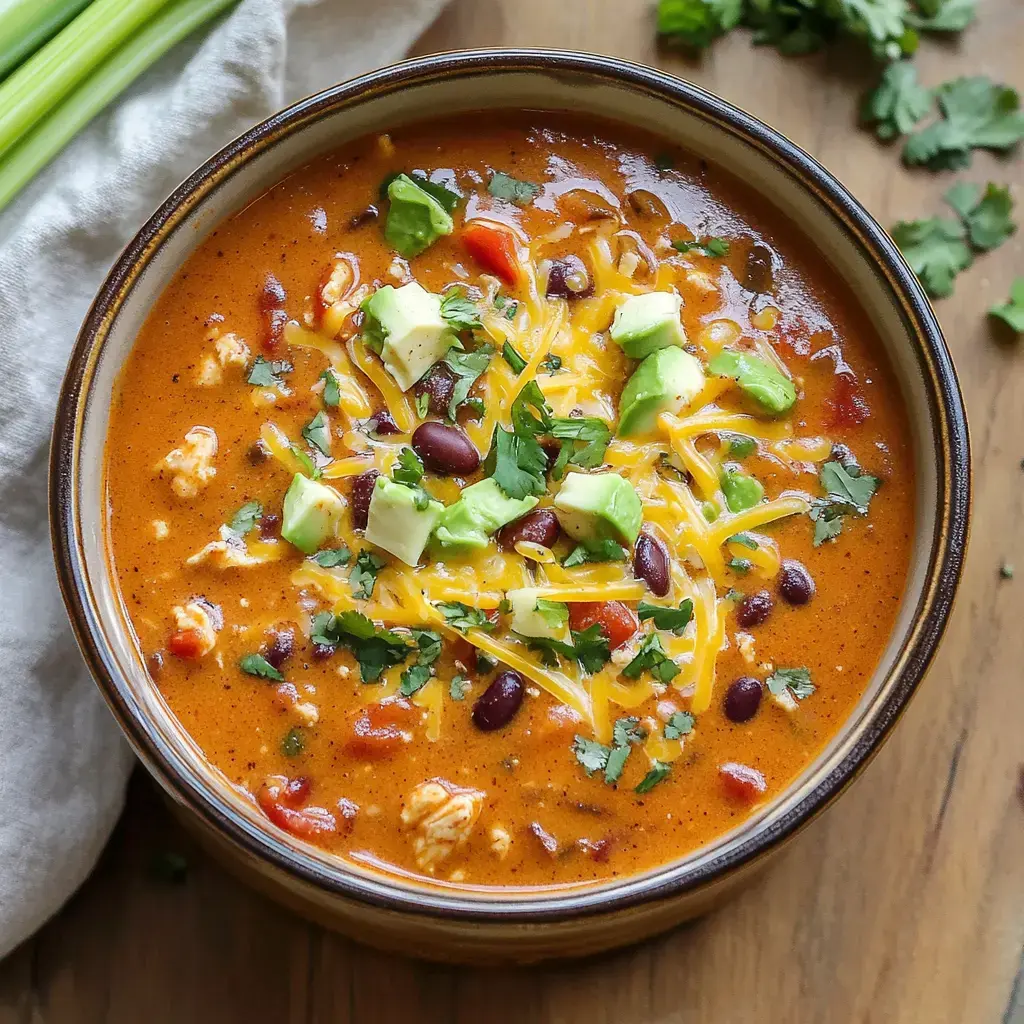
<point>509,502</point>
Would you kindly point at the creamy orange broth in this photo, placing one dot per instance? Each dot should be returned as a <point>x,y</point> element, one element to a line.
<point>533,816</point>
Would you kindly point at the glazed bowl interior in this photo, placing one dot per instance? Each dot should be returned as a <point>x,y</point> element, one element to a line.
<point>776,171</point>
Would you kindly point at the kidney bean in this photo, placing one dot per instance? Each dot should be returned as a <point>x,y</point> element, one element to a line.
<point>359,497</point>
<point>382,423</point>
<point>568,279</point>
<point>741,782</point>
<point>439,384</point>
<point>757,275</point>
<point>651,564</point>
<point>270,525</point>
<point>497,705</point>
<point>537,527</point>
<point>445,449</point>
<point>754,609</point>
<point>796,585</point>
<point>281,645</point>
<point>742,699</point>
<point>271,302</point>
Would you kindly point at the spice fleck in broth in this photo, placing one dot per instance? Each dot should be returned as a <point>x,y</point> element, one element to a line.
<point>509,502</point>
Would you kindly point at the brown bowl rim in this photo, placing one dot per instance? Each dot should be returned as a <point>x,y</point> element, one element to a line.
<point>945,560</point>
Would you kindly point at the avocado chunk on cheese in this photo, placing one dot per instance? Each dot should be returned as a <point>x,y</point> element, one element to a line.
<point>405,327</point>
<point>535,616</point>
<point>401,519</point>
<point>666,381</point>
<point>773,391</point>
<point>645,323</point>
<point>311,514</point>
<point>481,509</point>
<point>599,506</point>
<point>416,219</point>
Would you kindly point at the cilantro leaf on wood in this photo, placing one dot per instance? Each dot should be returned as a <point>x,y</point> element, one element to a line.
<point>504,186</point>
<point>318,433</point>
<point>986,216</point>
<point>796,680</point>
<point>1011,313</point>
<point>257,665</point>
<point>695,24</point>
<point>606,550</point>
<point>468,367</point>
<point>267,374</point>
<point>942,15</point>
<point>459,310</point>
<point>936,249</point>
<point>977,114</point>
<point>897,103</point>
<point>364,574</point>
<point>246,518</point>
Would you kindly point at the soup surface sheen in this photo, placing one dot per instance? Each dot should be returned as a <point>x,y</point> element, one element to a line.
<point>764,446</point>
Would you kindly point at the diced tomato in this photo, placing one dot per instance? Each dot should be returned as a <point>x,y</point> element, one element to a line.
<point>464,653</point>
<point>493,247</point>
<point>271,303</point>
<point>378,730</point>
<point>741,782</point>
<point>618,621</point>
<point>186,643</point>
<point>846,404</point>
<point>282,803</point>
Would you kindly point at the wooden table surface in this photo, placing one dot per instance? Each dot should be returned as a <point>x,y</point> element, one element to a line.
<point>905,903</point>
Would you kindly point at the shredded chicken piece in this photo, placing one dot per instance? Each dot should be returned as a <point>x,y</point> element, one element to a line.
<point>160,529</point>
<point>229,350</point>
<point>338,284</point>
<point>702,280</point>
<point>745,644</point>
<point>196,615</point>
<point>444,815</point>
<point>230,552</point>
<point>307,712</point>
<point>501,842</point>
<point>191,464</point>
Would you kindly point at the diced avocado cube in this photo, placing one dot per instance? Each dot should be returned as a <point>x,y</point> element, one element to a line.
<point>741,491</point>
<point>645,323</point>
<point>404,325</point>
<point>666,381</point>
<point>481,509</point>
<point>415,218</point>
<point>768,386</point>
<point>599,506</point>
<point>401,519</point>
<point>311,514</point>
<point>534,616</point>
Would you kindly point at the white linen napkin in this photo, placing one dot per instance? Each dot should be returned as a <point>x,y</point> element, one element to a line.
<point>63,764</point>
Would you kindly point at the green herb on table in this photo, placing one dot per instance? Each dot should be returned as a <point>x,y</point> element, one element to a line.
<point>1006,571</point>
<point>986,216</point>
<point>1011,313</point>
<point>898,103</point>
<point>936,250</point>
<point>257,665</point>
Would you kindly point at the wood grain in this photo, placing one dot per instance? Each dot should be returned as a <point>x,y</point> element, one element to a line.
<point>905,903</point>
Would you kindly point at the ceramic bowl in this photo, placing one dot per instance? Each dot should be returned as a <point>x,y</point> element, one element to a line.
<point>520,926</point>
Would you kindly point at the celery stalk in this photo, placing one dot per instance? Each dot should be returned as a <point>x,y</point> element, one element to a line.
<point>32,91</point>
<point>118,71</point>
<point>26,24</point>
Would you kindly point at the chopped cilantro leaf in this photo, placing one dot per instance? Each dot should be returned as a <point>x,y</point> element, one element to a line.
<point>606,550</point>
<point>293,743</point>
<point>796,680</point>
<point>246,518</point>
<point>986,217</point>
<point>593,756</point>
<point>458,687</point>
<point>504,186</point>
<point>408,469</point>
<point>485,664</point>
<point>627,731</point>
<point>551,364</point>
<point>460,311</point>
<point>266,374</point>
<point>461,617</point>
<point>429,643</point>
<point>589,648</point>
<point>936,249</point>
<point>554,613</point>
<point>364,574</point>
<point>303,459</point>
<point>617,758</point>
<point>590,431</point>
<point>414,679</point>
<point>740,565</point>
<point>942,15</point>
<point>711,247</point>
<point>375,649</point>
<point>848,491</point>
<point>318,433</point>
<point>696,24</point>
<point>468,367</point>
<point>678,725</point>
<point>897,103</point>
<point>519,464</point>
<point>511,356</point>
<point>1012,312</point>
<point>651,657</point>
<point>977,114</point>
<point>257,665</point>
<point>659,772</point>
<point>422,404</point>
<point>742,538</point>
<point>331,393</point>
<point>672,619</point>
<point>330,557</point>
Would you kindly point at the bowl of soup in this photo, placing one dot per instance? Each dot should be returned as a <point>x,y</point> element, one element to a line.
<point>504,497</point>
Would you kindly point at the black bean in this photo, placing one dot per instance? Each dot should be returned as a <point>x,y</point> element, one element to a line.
<point>651,564</point>
<point>552,449</point>
<point>359,497</point>
<point>439,384</point>
<point>281,645</point>
<point>568,279</point>
<point>363,217</point>
<point>796,585</point>
<point>540,526</point>
<point>497,705</point>
<point>445,449</point>
<point>742,699</point>
<point>754,609</point>
<point>382,423</point>
<point>757,275</point>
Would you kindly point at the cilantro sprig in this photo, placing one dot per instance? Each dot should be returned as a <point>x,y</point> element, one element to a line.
<point>375,649</point>
<point>265,373</point>
<point>1011,313</point>
<point>794,681</point>
<point>363,576</point>
<point>611,760</point>
<point>651,657</point>
<point>848,492</point>
<point>589,647</point>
